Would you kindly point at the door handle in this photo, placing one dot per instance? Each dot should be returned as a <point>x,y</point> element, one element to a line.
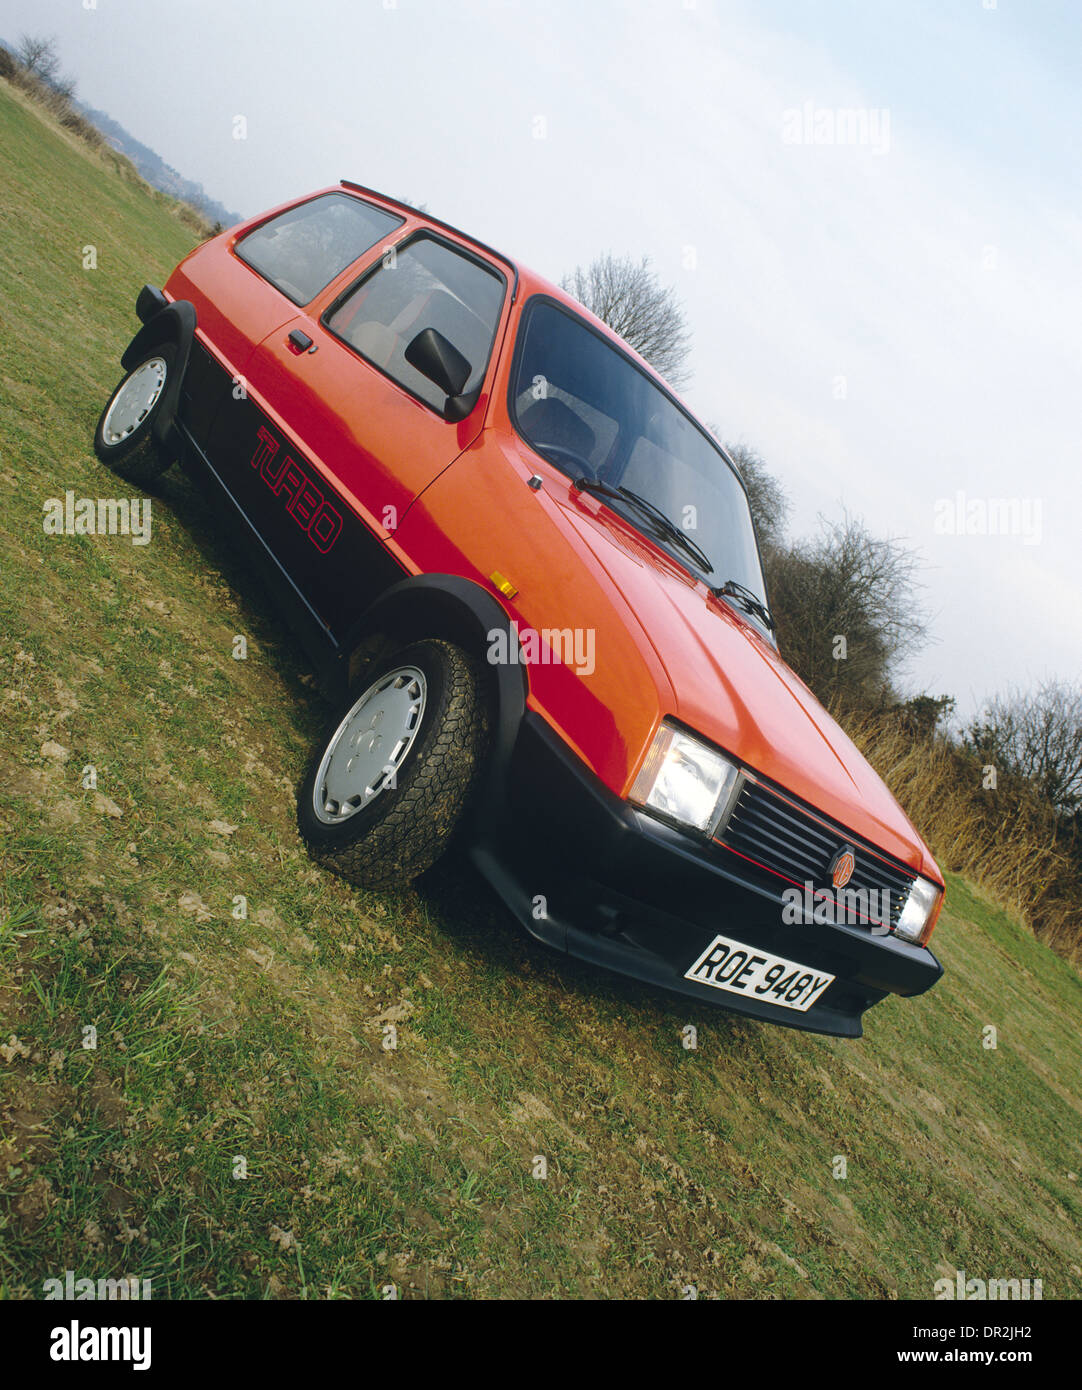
<point>300,341</point>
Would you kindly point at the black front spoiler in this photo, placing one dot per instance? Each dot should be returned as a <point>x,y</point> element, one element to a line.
<point>586,873</point>
<point>149,301</point>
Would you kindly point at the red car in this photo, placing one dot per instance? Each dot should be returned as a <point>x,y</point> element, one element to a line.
<point>531,579</point>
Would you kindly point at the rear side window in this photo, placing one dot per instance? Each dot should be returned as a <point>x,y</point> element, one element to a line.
<point>301,251</point>
<point>424,284</point>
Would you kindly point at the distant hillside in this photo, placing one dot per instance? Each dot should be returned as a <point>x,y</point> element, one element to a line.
<point>154,169</point>
<point>150,164</point>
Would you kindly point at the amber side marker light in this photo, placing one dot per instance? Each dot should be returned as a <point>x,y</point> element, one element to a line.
<point>504,584</point>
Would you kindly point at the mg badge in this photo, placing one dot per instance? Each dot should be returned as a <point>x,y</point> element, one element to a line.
<point>842,866</point>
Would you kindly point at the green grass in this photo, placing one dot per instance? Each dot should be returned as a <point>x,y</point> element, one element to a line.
<point>262,1037</point>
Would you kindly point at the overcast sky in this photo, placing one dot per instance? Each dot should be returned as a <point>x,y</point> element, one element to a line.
<point>891,319</point>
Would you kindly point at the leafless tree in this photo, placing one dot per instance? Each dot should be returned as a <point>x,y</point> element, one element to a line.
<point>1037,734</point>
<point>629,297</point>
<point>39,56</point>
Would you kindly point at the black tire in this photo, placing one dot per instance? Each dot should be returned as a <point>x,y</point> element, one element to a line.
<point>408,824</point>
<point>135,455</point>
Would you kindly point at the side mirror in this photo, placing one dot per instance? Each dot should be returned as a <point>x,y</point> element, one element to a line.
<point>439,360</point>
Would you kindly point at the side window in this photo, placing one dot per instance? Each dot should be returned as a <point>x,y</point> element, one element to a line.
<point>301,251</point>
<point>425,284</point>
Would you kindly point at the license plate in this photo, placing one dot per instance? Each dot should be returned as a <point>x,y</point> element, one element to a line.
<point>740,969</point>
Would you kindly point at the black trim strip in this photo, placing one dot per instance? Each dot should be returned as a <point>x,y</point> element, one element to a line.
<point>255,535</point>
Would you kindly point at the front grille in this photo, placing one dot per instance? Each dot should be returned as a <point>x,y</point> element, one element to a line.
<point>785,839</point>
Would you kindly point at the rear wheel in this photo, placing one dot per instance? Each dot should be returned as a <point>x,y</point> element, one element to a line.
<point>395,772</point>
<point>124,438</point>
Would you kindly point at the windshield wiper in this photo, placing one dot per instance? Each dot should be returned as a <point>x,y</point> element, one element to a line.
<point>586,480</point>
<point>748,598</point>
<point>665,524</point>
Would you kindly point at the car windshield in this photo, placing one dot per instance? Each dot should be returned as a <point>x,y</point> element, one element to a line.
<point>581,403</point>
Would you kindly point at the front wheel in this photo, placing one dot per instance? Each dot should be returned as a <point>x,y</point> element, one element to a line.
<point>123,438</point>
<point>388,787</point>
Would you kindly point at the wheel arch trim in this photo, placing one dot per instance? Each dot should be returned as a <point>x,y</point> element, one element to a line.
<point>456,609</point>
<point>173,324</point>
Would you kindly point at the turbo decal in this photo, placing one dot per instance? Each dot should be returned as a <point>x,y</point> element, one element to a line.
<point>316,517</point>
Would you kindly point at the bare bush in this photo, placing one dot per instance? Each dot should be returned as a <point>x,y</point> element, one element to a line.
<point>1037,735</point>
<point>64,86</point>
<point>1007,838</point>
<point>847,611</point>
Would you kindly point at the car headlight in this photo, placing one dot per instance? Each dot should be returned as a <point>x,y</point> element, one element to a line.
<point>686,780</point>
<point>918,915</point>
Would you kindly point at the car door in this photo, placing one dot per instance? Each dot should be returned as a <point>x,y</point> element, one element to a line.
<point>247,284</point>
<point>340,432</point>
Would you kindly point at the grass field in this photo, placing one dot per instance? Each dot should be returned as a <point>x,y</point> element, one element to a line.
<point>223,1038</point>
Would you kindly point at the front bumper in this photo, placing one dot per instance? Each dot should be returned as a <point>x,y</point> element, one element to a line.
<point>150,301</point>
<point>591,875</point>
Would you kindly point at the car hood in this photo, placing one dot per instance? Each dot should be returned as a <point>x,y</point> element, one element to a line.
<point>732,687</point>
